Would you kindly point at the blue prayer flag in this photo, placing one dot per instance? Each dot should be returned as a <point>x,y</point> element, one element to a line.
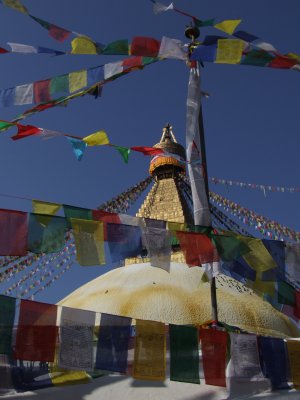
<point>78,146</point>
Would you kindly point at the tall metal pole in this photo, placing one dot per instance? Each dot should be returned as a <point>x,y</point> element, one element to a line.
<point>192,32</point>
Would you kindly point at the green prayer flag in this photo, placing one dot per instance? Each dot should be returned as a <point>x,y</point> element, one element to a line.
<point>286,293</point>
<point>148,60</point>
<point>46,234</point>
<point>59,84</point>
<point>259,58</point>
<point>119,47</point>
<point>124,151</point>
<point>5,125</point>
<point>208,22</point>
<point>77,213</point>
<point>229,247</point>
<point>184,354</point>
<point>7,316</point>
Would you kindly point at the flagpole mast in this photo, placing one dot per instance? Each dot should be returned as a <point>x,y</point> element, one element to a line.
<point>192,32</point>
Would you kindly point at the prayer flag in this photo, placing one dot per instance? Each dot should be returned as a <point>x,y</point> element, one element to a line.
<point>274,361</point>
<point>159,8</point>
<point>25,131</point>
<point>172,48</point>
<point>204,53</point>
<point>286,294</point>
<point>37,332</point>
<point>158,243</point>
<point>292,260</point>
<point>78,146</point>
<point>208,22</point>
<point>83,45</point>
<point>7,317</point>
<point>76,339</point>
<point>144,46</point>
<point>13,233</point>
<point>148,151</point>
<point>62,377</point>
<point>3,51</point>
<point>4,125</point>
<point>214,347</point>
<point>112,69</point>
<point>247,37</point>
<point>16,5</point>
<point>77,212</point>
<point>229,247</point>
<point>123,241</point>
<point>239,270</point>
<point>184,354</point>
<point>56,32</point>
<point>95,75</point>
<point>105,217</point>
<point>258,58</point>
<point>113,342</point>
<point>59,84</point>
<point>89,241</point>
<point>150,351</point>
<point>197,248</point>
<point>228,26</point>
<point>119,47</point>
<point>22,48</point>
<point>41,91</point>
<point>244,356</point>
<point>23,94</point>
<point>44,207</point>
<point>229,51</point>
<point>293,347</point>
<point>46,235</point>
<point>7,97</point>
<point>124,151</point>
<point>276,249</point>
<point>77,80</point>
<point>96,139</point>
<point>258,257</point>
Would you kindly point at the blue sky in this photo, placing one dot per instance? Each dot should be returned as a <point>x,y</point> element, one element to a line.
<point>251,119</point>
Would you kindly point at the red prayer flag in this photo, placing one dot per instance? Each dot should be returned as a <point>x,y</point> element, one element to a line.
<point>25,130</point>
<point>41,90</point>
<point>144,46</point>
<point>282,62</point>
<point>214,345</point>
<point>132,62</point>
<point>197,248</point>
<point>105,217</point>
<point>13,233</point>
<point>58,33</point>
<point>147,151</point>
<point>3,51</point>
<point>37,332</point>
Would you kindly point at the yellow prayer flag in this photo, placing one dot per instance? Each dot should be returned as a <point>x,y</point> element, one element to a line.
<point>83,45</point>
<point>229,51</point>
<point>96,139</point>
<point>264,287</point>
<point>293,347</point>
<point>89,241</point>
<point>16,5</point>
<point>258,257</point>
<point>43,207</point>
<point>176,226</point>
<point>150,351</point>
<point>294,56</point>
<point>61,377</point>
<point>228,25</point>
<point>77,80</point>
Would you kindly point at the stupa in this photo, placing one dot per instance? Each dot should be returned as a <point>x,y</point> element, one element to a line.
<point>182,295</point>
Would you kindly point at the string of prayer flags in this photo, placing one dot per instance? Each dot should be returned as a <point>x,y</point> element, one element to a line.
<point>48,235</point>
<point>13,233</point>
<point>197,248</point>
<point>148,151</point>
<point>123,241</point>
<point>7,316</point>
<point>78,146</point>
<point>113,342</point>
<point>273,358</point>
<point>293,347</point>
<point>76,339</point>
<point>96,139</point>
<point>158,244</point>
<point>89,241</point>
<point>214,347</point>
<point>184,354</point>
<point>245,357</point>
<point>37,332</point>
<point>150,351</point>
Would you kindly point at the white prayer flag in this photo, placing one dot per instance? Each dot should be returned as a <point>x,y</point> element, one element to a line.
<point>112,69</point>
<point>22,48</point>
<point>23,94</point>
<point>159,8</point>
<point>76,339</point>
<point>172,48</point>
